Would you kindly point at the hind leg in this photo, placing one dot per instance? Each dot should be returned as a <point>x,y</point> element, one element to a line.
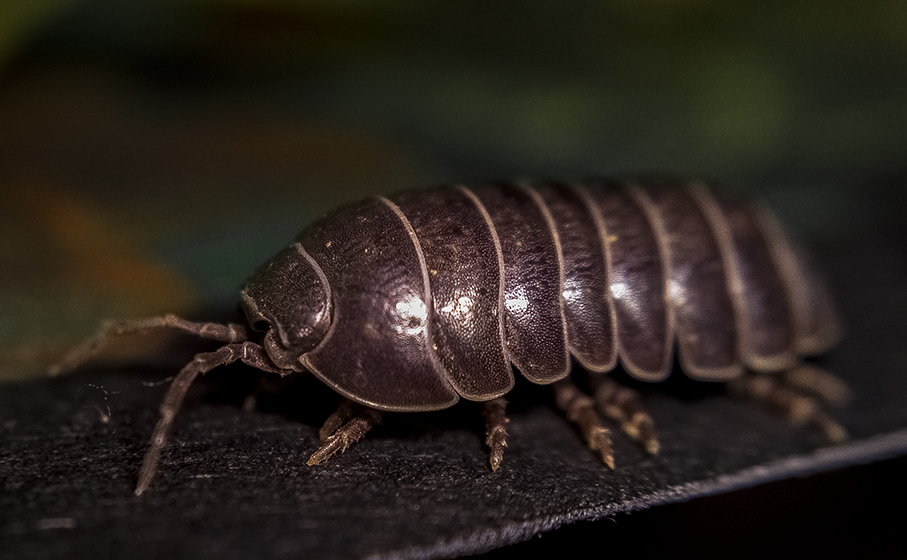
<point>790,393</point>
<point>819,383</point>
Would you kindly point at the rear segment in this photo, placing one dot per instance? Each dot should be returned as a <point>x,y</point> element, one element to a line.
<point>816,324</point>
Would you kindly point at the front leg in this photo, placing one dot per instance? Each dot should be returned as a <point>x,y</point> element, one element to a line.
<point>247,352</point>
<point>231,333</point>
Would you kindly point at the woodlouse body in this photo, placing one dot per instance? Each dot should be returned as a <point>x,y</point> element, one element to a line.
<point>410,302</point>
<point>427,296</point>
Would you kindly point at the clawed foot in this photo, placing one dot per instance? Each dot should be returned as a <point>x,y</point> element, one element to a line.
<point>342,429</point>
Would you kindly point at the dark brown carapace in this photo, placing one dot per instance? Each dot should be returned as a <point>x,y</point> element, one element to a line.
<point>410,302</point>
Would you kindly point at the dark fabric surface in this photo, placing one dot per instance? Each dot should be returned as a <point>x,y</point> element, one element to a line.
<point>234,484</point>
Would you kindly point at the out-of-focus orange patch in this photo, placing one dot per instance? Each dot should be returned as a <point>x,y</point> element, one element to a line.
<point>74,269</point>
<point>97,256</point>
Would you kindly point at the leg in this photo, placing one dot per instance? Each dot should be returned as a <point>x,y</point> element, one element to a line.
<point>623,405</point>
<point>230,333</point>
<point>495,433</point>
<point>819,382</point>
<point>800,409</point>
<point>350,433</point>
<point>343,413</point>
<point>580,410</point>
<point>248,352</point>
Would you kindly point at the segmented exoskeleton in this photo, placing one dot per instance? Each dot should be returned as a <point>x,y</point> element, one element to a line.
<point>408,303</point>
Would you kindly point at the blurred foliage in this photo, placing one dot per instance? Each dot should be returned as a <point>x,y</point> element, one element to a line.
<point>21,20</point>
<point>736,89</point>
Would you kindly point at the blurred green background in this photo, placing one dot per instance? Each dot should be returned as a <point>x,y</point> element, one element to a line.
<point>153,152</point>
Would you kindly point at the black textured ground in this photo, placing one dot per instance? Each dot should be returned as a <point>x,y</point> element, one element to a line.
<point>234,484</point>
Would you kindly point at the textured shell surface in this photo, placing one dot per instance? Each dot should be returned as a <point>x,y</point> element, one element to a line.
<point>437,293</point>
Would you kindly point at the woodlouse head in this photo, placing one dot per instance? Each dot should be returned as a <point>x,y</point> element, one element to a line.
<point>289,300</point>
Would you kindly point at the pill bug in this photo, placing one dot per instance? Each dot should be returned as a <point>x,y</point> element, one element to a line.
<point>409,302</point>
